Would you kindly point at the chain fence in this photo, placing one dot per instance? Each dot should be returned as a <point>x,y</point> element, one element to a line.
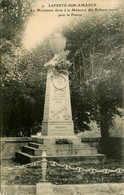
<point>44,162</point>
<point>21,166</point>
<point>66,167</point>
<point>82,170</point>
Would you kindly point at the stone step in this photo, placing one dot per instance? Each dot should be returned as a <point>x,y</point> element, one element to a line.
<point>48,140</point>
<point>31,150</point>
<point>71,146</point>
<point>41,146</point>
<point>70,151</point>
<point>63,146</point>
<point>35,145</point>
<point>56,151</point>
<point>38,140</point>
<point>24,158</point>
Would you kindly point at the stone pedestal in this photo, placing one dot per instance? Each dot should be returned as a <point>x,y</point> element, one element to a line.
<point>57,119</point>
<point>44,189</point>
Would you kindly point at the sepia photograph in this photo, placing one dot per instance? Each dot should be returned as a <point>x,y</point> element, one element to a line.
<point>62,97</point>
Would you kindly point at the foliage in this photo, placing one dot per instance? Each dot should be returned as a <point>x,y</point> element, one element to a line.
<point>14,16</point>
<point>23,88</point>
<point>22,79</point>
<point>61,62</point>
<point>63,141</point>
<point>96,45</point>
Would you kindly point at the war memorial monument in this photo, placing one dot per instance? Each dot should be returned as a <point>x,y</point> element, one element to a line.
<point>58,138</point>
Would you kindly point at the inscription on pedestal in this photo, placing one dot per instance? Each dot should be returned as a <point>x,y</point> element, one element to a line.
<point>59,99</point>
<point>57,111</point>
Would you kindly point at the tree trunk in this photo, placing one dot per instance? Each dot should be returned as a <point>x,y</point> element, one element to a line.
<point>104,133</point>
<point>19,11</point>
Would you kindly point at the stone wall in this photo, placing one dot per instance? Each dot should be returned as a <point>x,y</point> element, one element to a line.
<point>93,142</point>
<point>115,146</point>
<point>88,189</point>
<point>10,145</point>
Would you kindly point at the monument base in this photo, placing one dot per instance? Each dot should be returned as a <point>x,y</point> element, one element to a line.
<point>51,140</point>
<point>63,147</point>
<point>58,128</point>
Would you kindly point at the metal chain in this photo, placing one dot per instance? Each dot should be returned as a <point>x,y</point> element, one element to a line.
<point>81,170</point>
<point>22,166</point>
<point>67,167</point>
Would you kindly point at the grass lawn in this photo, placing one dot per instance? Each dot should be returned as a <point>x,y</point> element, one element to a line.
<point>57,175</point>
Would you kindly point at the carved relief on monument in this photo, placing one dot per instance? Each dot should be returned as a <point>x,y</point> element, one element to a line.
<point>59,82</point>
<point>60,103</point>
<point>60,114</point>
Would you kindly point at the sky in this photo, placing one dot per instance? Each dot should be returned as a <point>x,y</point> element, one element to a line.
<point>41,25</point>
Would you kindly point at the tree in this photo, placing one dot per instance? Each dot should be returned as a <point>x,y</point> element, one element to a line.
<point>96,45</point>
<point>23,89</point>
<point>19,100</point>
<point>14,16</point>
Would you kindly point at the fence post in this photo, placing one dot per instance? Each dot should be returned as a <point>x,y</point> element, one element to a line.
<point>44,166</point>
<point>44,188</point>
